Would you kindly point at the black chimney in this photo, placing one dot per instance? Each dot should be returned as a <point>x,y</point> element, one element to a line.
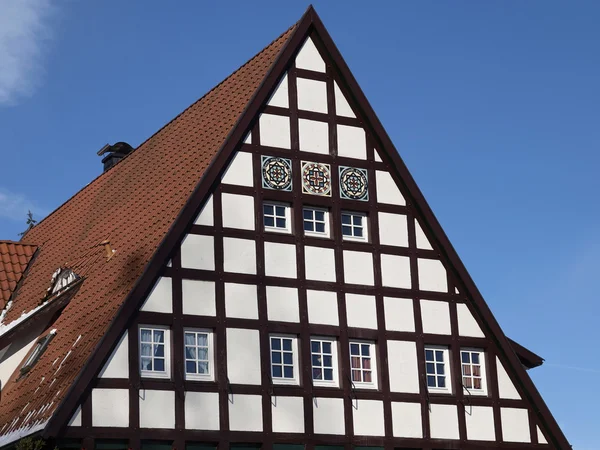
<point>116,153</point>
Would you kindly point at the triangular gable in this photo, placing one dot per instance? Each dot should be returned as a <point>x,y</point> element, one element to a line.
<point>477,318</point>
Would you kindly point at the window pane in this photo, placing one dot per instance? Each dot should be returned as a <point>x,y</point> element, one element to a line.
<point>276,357</point>
<point>203,339</point>
<point>441,382</point>
<point>203,367</point>
<point>146,364</point>
<point>320,216</point>
<point>465,357</point>
<point>430,368</point>
<point>145,335</point>
<point>329,374</point>
<point>190,367</point>
<point>354,349</point>
<point>317,375</point>
<point>475,358</point>
<point>308,214</point>
<point>327,361</point>
<point>365,349</point>
<point>288,372</point>
<point>346,231</point>
<point>159,336</point>
<point>355,362</point>
<point>358,232</point>
<point>430,381</point>
<point>308,226</point>
<point>277,372</point>
<point>356,375</point>
<point>203,354</point>
<point>269,222</point>
<point>439,355</point>
<point>429,355</point>
<point>366,363</point>
<point>110,444</point>
<point>357,220</point>
<point>280,211</point>
<point>316,360</point>
<point>326,347</point>
<point>320,228</point>
<point>440,369</point>
<point>159,350</point>
<point>367,377</point>
<point>346,219</point>
<point>280,223</point>
<point>159,365</point>
<point>190,353</point>
<point>268,209</point>
<point>287,344</point>
<point>287,358</point>
<point>315,346</point>
<point>275,344</point>
<point>146,349</point>
<point>190,339</point>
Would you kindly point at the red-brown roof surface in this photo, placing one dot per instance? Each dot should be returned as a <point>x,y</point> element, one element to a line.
<point>133,205</point>
<point>14,257</point>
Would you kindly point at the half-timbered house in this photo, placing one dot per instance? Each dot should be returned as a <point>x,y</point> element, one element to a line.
<point>263,272</point>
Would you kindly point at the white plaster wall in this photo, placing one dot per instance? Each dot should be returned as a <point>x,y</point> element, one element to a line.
<point>202,411</point>
<point>322,307</point>
<point>320,263</point>
<point>387,190</point>
<point>377,157</point>
<point>274,131</point>
<point>75,420</point>
<point>406,420</point>
<point>367,416</point>
<point>358,268</point>
<point>245,413</point>
<point>199,298</point>
<point>243,356</point>
<point>157,409</point>
<point>198,252</point>
<point>238,211</point>
<point>393,229</point>
<point>403,366</point>
<point>361,311</point>
<point>110,407</point>
<point>422,241</point>
<point>280,260</point>
<point>280,97</point>
<point>399,314</point>
<point>248,138</point>
<point>14,355</point>
<point>467,325</point>
<point>206,216</point>
<point>352,142</point>
<point>312,95</point>
<point>287,414</point>
<point>506,388</point>
<point>342,107</point>
<point>395,271</point>
<point>241,301</point>
<point>161,298</point>
<point>328,416</point>
<point>117,365</point>
<point>313,136</point>
<point>540,436</point>
<point>436,317</point>
<point>309,58</point>
<point>282,304</point>
<point>239,255</point>
<point>443,421</point>
<point>515,425</point>
<point>432,275</point>
<point>480,423</point>
<point>239,172</point>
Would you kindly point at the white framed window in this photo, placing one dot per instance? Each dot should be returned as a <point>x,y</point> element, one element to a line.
<point>437,369</point>
<point>363,364</point>
<point>276,217</point>
<point>199,354</point>
<point>284,359</point>
<point>472,363</point>
<point>354,226</point>
<point>324,360</point>
<point>315,221</point>
<point>155,351</point>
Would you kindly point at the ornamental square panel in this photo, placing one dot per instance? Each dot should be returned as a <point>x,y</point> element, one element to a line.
<point>354,183</point>
<point>276,173</point>
<point>316,179</point>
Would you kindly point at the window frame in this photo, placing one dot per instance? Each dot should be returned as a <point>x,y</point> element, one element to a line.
<point>326,219</point>
<point>210,376</point>
<point>38,350</point>
<point>295,381</point>
<point>166,374</point>
<point>288,217</point>
<point>447,369</point>
<point>373,356</point>
<point>365,226</point>
<point>335,382</point>
<point>482,363</point>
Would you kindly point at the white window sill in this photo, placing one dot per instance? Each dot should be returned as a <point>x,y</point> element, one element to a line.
<point>159,375</point>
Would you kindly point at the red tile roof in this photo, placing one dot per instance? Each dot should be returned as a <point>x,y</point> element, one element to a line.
<point>14,258</point>
<point>133,205</point>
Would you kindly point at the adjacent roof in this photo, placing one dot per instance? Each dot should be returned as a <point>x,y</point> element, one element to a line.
<point>14,258</point>
<point>129,206</point>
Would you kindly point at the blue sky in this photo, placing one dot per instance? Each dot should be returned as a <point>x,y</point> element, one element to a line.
<point>494,107</point>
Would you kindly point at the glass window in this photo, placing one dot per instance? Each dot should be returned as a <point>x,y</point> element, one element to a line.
<point>362,364</point>
<point>37,352</point>
<point>154,351</point>
<point>438,377</point>
<point>354,226</point>
<point>324,361</point>
<point>198,355</point>
<point>276,217</point>
<point>284,359</point>
<point>315,221</point>
<point>473,370</point>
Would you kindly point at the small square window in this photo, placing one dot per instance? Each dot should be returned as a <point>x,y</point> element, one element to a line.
<point>354,226</point>
<point>436,368</point>
<point>155,350</point>
<point>472,363</point>
<point>199,351</point>
<point>315,222</point>
<point>363,364</point>
<point>323,353</point>
<point>37,352</point>
<point>284,359</point>
<point>276,217</point>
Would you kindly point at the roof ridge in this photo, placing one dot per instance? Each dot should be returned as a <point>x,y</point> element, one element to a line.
<point>164,126</point>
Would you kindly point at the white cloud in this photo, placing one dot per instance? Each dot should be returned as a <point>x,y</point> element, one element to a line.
<point>24,33</point>
<point>15,206</point>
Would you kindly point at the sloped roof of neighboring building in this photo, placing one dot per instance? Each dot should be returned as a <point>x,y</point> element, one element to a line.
<point>133,205</point>
<point>14,258</point>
